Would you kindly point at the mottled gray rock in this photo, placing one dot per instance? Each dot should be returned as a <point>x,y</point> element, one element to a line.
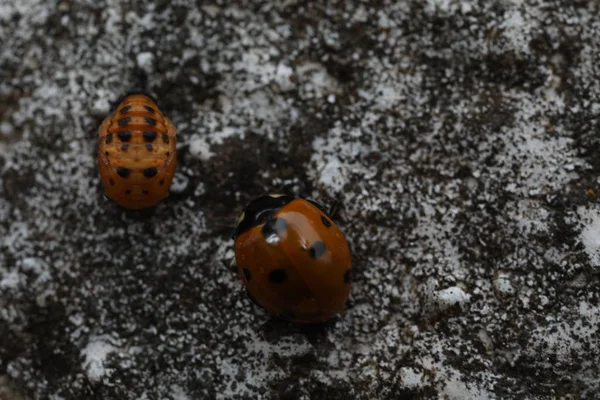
<point>460,136</point>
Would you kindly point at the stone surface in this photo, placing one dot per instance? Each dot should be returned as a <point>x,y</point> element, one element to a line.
<point>461,138</point>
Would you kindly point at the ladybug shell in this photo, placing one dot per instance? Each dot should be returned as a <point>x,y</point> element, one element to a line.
<point>294,261</point>
<point>136,153</point>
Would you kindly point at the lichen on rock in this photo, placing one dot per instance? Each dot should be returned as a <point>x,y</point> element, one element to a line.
<point>460,138</point>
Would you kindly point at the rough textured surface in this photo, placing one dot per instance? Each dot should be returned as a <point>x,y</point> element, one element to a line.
<point>460,136</point>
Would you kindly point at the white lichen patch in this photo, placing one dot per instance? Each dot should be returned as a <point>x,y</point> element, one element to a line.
<point>10,280</point>
<point>449,297</point>
<point>36,267</point>
<point>503,285</point>
<point>411,378</point>
<point>517,28</point>
<point>95,357</point>
<point>145,61</point>
<point>458,136</point>
<point>590,234</point>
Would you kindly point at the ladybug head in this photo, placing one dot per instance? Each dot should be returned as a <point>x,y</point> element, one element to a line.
<point>260,210</point>
<point>133,94</point>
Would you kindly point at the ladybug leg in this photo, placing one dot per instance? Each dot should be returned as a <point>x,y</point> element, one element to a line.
<point>337,204</point>
<point>335,207</point>
<point>319,206</point>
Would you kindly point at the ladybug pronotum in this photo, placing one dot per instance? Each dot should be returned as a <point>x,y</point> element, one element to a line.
<point>293,259</point>
<point>136,153</point>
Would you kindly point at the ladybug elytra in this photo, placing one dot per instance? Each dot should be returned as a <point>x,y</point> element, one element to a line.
<point>293,259</point>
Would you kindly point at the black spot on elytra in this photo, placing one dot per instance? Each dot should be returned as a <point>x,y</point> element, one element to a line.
<point>124,121</point>
<point>149,109</point>
<point>325,221</point>
<point>123,172</point>
<point>162,182</point>
<point>247,274</point>
<point>168,153</point>
<point>165,138</point>
<point>124,136</point>
<point>150,172</point>
<point>277,276</point>
<point>149,136</point>
<point>317,249</point>
<point>106,153</point>
<point>125,109</point>
<point>110,181</point>
<point>128,191</point>
<point>274,226</point>
<point>287,315</point>
<point>150,121</point>
<point>149,147</point>
<point>348,276</point>
<point>124,147</point>
<point>144,192</point>
<point>108,138</point>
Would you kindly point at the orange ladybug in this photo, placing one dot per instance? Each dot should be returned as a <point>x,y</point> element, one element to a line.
<point>136,153</point>
<point>292,258</point>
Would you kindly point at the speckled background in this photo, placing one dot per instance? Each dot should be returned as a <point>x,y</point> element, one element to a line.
<point>461,138</point>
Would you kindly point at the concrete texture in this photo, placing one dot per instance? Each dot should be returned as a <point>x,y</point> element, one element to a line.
<point>460,136</point>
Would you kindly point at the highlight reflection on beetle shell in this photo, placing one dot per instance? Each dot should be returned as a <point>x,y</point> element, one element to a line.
<point>137,153</point>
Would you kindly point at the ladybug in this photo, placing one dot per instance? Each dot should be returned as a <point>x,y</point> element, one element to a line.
<point>136,153</point>
<point>294,261</point>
